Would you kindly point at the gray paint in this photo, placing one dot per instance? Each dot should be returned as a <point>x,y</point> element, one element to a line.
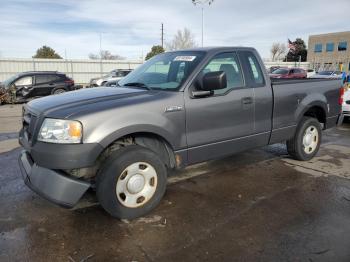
<point>199,128</point>
<point>50,184</point>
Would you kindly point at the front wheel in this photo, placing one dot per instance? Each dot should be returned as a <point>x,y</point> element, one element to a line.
<point>306,141</point>
<point>131,182</point>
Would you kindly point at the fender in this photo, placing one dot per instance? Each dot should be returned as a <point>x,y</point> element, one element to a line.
<point>142,128</point>
<point>308,102</point>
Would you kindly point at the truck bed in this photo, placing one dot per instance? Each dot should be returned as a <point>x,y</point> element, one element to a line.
<point>291,97</point>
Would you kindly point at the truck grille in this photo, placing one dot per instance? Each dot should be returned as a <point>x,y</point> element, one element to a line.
<point>29,120</point>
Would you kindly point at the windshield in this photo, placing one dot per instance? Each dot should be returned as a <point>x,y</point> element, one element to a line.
<point>166,71</point>
<point>280,71</point>
<point>10,80</point>
<point>325,73</point>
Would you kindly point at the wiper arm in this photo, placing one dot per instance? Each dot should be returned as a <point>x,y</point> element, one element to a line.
<point>138,84</point>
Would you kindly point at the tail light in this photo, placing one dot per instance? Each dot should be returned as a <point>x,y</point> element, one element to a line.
<point>341,95</point>
<point>69,81</point>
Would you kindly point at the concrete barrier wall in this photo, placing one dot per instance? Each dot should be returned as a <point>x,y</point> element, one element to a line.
<point>80,70</point>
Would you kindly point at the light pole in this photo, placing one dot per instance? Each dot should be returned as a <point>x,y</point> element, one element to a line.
<point>202,3</point>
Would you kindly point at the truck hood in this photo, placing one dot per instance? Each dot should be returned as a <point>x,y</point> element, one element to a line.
<point>68,103</point>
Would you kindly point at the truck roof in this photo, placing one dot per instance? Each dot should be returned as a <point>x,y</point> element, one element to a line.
<point>217,48</point>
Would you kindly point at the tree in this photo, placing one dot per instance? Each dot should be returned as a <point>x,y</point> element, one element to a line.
<point>46,52</point>
<point>299,51</point>
<point>105,55</point>
<point>155,50</point>
<point>278,50</point>
<point>182,40</point>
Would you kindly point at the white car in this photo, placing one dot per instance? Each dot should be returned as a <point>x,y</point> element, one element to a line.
<point>113,75</point>
<point>346,104</point>
<point>310,72</point>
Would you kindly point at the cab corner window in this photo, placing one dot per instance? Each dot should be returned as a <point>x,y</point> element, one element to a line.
<point>228,63</point>
<point>256,76</point>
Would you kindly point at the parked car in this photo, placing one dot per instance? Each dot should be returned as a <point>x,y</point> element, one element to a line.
<point>113,75</point>
<point>273,68</point>
<point>328,74</point>
<point>112,83</point>
<point>310,72</point>
<point>177,109</point>
<point>346,104</point>
<point>38,83</point>
<point>285,72</point>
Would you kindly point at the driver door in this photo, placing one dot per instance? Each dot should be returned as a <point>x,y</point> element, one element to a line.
<point>220,124</point>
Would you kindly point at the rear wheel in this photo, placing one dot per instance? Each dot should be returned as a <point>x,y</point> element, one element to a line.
<point>306,141</point>
<point>59,91</point>
<point>131,182</point>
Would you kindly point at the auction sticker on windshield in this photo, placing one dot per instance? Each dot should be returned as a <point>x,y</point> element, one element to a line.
<point>185,58</point>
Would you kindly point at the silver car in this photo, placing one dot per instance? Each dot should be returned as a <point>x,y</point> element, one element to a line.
<point>327,74</point>
<point>116,74</point>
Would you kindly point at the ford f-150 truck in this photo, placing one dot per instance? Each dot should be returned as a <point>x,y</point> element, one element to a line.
<point>177,109</point>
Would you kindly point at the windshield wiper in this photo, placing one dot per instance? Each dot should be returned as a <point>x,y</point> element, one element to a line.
<point>138,84</point>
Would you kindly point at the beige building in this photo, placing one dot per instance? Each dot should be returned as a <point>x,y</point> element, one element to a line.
<point>329,51</point>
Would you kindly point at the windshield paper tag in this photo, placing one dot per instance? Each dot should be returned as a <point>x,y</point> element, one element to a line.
<point>185,58</point>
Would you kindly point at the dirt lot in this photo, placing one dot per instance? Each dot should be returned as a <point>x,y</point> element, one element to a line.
<point>255,206</point>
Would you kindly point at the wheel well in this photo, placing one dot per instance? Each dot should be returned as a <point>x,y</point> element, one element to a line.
<point>151,141</point>
<point>318,113</point>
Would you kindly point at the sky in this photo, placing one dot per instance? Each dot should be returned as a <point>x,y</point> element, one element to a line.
<point>130,27</point>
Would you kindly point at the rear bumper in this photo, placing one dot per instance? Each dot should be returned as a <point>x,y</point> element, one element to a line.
<point>52,185</point>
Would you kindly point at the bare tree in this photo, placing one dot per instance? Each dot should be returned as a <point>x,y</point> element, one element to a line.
<point>105,55</point>
<point>182,40</point>
<point>278,50</point>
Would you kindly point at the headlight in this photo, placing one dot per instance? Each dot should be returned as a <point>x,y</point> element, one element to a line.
<point>60,131</point>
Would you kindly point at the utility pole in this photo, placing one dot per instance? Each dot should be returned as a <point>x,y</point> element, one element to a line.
<point>202,3</point>
<point>162,35</point>
<point>101,70</point>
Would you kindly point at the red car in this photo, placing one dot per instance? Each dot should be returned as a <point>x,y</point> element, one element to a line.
<point>284,72</point>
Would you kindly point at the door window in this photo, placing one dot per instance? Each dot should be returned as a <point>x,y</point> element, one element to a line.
<point>43,79</point>
<point>227,62</point>
<point>24,81</point>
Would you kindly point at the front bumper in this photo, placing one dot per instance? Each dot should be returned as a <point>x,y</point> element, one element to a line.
<point>61,156</point>
<point>52,185</point>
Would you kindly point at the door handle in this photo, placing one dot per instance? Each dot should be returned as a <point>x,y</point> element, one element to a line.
<point>247,100</point>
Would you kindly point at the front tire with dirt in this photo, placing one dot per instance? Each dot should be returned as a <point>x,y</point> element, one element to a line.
<point>131,182</point>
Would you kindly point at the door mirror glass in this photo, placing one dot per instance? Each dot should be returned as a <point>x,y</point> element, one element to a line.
<point>214,81</point>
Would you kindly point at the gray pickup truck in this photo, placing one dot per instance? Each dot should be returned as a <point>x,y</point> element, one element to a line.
<point>177,109</point>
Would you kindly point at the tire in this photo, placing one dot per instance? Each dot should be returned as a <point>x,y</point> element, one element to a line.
<point>306,141</point>
<point>58,91</point>
<point>119,182</point>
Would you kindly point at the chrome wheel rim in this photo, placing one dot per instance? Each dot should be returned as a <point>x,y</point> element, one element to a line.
<point>59,91</point>
<point>136,185</point>
<point>310,139</point>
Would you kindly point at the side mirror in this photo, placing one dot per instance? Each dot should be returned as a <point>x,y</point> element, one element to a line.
<point>214,80</point>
